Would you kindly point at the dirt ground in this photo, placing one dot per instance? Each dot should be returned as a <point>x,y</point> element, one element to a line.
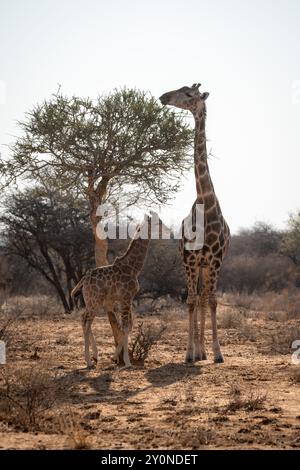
<point>249,402</point>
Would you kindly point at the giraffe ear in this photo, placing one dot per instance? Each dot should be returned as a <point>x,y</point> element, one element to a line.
<point>205,95</point>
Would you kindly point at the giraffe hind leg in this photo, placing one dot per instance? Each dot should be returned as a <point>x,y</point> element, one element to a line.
<point>118,354</point>
<point>94,347</point>
<point>218,357</point>
<point>86,326</point>
<point>126,321</point>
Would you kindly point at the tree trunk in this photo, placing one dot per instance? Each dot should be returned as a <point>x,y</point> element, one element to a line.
<point>55,279</point>
<point>101,247</point>
<point>96,198</point>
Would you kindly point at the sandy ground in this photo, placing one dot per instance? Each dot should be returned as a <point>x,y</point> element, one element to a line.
<point>165,404</point>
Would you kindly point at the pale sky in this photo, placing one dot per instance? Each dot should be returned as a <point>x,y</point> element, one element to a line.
<point>245,53</point>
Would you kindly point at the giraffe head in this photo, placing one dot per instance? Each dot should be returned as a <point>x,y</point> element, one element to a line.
<point>186,98</point>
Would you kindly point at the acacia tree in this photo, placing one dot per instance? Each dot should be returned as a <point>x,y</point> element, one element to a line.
<point>51,232</point>
<point>122,145</point>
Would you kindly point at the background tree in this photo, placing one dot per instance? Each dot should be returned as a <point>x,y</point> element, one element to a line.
<point>290,245</point>
<point>163,274</point>
<point>51,232</point>
<point>260,240</point>
<point>255,263</point>
<point>122,146</point>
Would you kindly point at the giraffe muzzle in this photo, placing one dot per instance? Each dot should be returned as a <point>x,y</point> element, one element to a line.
<point>164,99</point>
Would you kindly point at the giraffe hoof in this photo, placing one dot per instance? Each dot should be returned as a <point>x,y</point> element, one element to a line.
<point>201,357</point>
<point>218,359</point>
<point>189,359</point>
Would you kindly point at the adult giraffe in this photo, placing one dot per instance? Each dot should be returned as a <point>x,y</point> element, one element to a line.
<point>202,267</point>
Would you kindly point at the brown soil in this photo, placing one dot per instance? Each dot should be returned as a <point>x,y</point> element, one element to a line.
<point>249,402</point>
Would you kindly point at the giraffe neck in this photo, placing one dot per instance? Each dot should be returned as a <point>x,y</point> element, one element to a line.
<point>204,185</point>
<point>133,259</point>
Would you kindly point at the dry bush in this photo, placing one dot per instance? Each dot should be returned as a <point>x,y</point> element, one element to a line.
<point>279,306</point>
<point>69,424</point>
<point>26,394</point>
<point>21,336</point>
<point>247,331</point>
<point>199,436</point>
<point>281,341</point>
<point>251,401</point>
<point>238,299</point>
<point>236,320</point>
<point>146,337</point>
<point>231,319</point>
<point>275,315</point>
<point>8,323</point>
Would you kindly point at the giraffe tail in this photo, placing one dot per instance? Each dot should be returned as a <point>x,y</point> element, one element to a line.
<point>77,289</point>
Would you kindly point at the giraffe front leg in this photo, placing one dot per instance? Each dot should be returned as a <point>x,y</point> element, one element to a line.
<point>200,354</point>
<point>197,352</point>
<point>203,306</point>
<point>192,275</point>
<point>189,357</point>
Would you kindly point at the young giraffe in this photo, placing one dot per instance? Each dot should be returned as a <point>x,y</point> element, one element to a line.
<point>202,267</point>
<point>114,287</point>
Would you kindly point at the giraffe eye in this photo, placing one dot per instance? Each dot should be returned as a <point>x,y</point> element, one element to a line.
<point>189,95</point>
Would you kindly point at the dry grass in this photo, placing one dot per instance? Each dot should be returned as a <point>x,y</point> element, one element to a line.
<point>250,401</point>
<point>62,340</point>
<point>231,319</point>
<point>40,306</point>
<point>235,319</point>
<point>281,341</point>
<point>70,425</point>
<point>197,437</point>
<point>166,404</point>
<point>8,323</point>
<point>276,306</point>
<point>248,332</point>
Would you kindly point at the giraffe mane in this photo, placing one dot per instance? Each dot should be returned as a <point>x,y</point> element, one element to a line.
<point>129,247</point>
